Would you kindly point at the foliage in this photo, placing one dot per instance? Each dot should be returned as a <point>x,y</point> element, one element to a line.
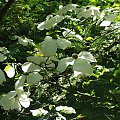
<point>60,60</point>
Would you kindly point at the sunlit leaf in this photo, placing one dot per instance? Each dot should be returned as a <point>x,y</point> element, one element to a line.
<point>65,109</point>
<point>30,67</point>
<point>68,33</point>
<point>78,36</point>
<point>39,112</point>
<point>77,74</point>
<point>87,56</point>
<point>24,100</point>
<point>105,23</point>
<point>41,26</point>
<point>10,71</point>
<point>60,117</point>
<point>83,66</point>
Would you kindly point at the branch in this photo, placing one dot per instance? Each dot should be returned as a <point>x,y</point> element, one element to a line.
<point>84,94</point>
<point>5,9</point>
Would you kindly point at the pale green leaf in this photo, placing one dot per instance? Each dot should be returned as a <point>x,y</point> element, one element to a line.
<point>63,43</point>
<point>4,50</point>
<point>62,65</point>
<point>2,77</point>
<point>7,101</point>
<point>11,94</point>
<point>36,59</point>
<point>17,105</point>
<point>111,17</point>
<point>87,56</point>
<point>50,64</point>
<point>23,41</point>
<point>2,57</point>
<point>49,23</point>
<point>49,47</point>
<point>33,78</point>
<point>63,10</point>
<point>94,11</point>
<point>83,66</point>
<point>20,82</point>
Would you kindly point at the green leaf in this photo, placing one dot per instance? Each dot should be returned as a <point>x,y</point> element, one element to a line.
<point>2,77</point>
<point>63,43</point>
<point>65,109</point>
<point>83,66</point>
<point>34,77</point>
<point>62,65</point>
<point>49,47</point>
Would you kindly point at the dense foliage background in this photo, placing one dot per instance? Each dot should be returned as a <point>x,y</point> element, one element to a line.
<point>94,97</point>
